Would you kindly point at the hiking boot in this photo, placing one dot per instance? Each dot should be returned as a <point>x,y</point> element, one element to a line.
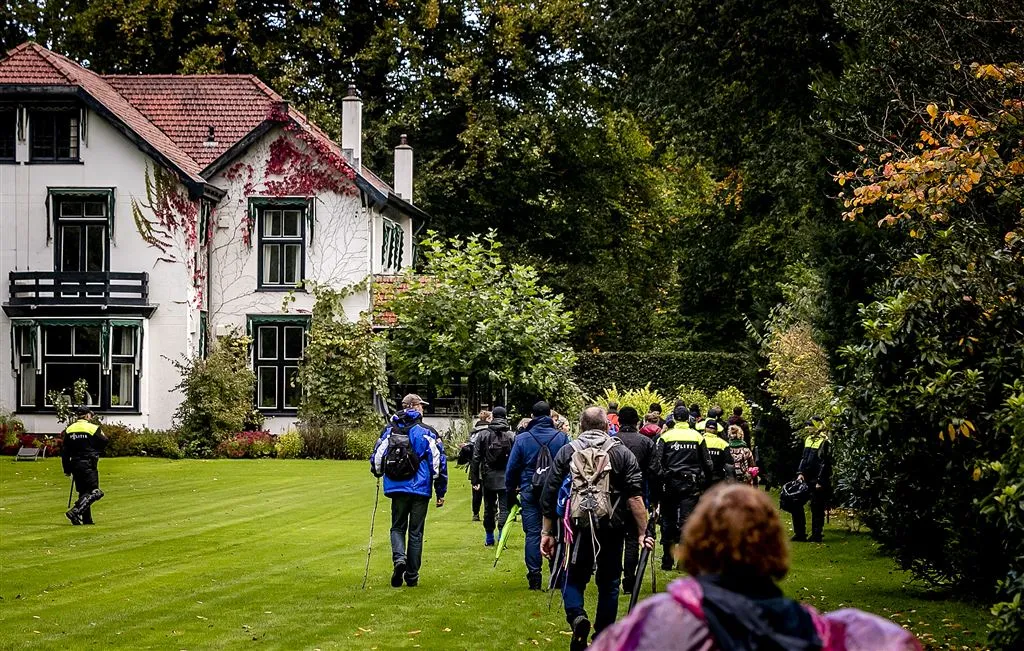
<point>798,538</point>
<point>580,631</point>
<point>476,517</point>
<point>534,580</point>
<point>412,583</point>
<point>667,563</point>
<point>489,539</point>
<point>627,586</point>
<point>73,516</point>
<point>815,539</point>
<point>396,576</point>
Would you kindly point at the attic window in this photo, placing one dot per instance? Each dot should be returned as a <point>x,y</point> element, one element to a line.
<point>53,134</point>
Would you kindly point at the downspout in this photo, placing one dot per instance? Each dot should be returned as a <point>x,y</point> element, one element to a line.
<point>210,230</point>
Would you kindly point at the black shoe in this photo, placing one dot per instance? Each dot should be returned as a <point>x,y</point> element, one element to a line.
<point>798,538</point>
<point>667,564</point>
<point>534,580</point>
<point>396,576</point>
<point>627,587</point>
<point>73,516</point>
<point>580,631</point>
<point>815,539</point>
<point>412,583</point>
<point>476,517</point>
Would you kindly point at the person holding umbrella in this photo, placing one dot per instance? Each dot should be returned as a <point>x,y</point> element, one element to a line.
<point>84,441</point>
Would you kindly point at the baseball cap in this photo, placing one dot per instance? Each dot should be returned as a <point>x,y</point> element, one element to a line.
<point>82,411</point>
<point>711,424</point>
<point>499,412</point>
<point>411,400</point>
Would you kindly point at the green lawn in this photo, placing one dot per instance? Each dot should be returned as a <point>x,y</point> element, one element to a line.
<point>270,554</point>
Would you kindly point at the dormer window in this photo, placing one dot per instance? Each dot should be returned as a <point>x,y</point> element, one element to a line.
<point>53,134</point>
<point>8,128</point>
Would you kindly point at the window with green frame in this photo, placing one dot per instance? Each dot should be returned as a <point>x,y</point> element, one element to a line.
<point>391,248</point>
<point>278,344</point>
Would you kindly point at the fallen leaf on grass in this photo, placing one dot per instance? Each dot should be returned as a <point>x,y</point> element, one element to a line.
<point>200,617</point>
<point>365,630</point>
<point>447,630</point>
<point>416,632</point>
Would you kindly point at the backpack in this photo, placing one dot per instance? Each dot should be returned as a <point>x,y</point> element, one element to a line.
<point>465,454</point>
<point>740,462</point>
<point>400,461</point>
<point>590,470</point>
<point>541,466</point>
<point>499,448</point>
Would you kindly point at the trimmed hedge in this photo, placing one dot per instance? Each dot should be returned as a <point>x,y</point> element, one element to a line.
<point>709,372</point>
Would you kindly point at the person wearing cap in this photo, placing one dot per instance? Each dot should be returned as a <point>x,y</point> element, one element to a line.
<point>645,450</point>
<point>684,469</point>
<point>487,471</point>
<point>519,478</point>
<point>680,415</point>
<point>83,442</point>
<point>410,496</point>
<point>713,415</point>
<point>718,448</point>
<point>816,471</point>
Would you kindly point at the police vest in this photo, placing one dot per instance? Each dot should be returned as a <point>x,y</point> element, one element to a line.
<point>814,442</point>
<point>81,429</point>
<point>682,438</point>
<point>715,442</point>
<point>702,425</point>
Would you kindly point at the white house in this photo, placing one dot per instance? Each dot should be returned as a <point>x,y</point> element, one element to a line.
<point>140,213</point>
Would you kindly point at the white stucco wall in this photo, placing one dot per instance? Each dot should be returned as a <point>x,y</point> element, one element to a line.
<point>109,159</point>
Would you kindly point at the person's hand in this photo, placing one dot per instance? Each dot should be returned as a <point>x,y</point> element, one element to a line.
<point>818,486</point>
<point>476,487</point>
<point>547,545</point>
<point>647,542</point>
<point>800,477</point>
<point>440,502</point>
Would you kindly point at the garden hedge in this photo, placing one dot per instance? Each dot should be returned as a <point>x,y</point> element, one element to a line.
<point>665,371</point>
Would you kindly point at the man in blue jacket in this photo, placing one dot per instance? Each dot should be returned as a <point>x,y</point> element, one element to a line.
<point>410,457</point>
<point>519,480</point>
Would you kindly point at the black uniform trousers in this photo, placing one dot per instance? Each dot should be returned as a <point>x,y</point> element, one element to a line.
<point>87,479</point>
<point>675,511</point>
<point>819,501</point>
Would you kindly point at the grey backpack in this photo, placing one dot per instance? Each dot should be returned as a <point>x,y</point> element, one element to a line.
<point>590,471</point>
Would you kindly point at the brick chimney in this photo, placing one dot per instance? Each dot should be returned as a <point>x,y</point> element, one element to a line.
<point>403,169</point>
<point>352,126</point>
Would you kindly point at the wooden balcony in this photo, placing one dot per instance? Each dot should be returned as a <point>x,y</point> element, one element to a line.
<point>95,290</point>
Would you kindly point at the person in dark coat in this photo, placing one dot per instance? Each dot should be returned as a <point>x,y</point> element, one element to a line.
<point>645,450</point>
<point>83,443</point>
<point>816,470</point>
<point>487,471</point>
<point>483,420</point>
<point>738,420</point>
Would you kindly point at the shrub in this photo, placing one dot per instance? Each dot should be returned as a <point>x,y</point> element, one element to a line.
<point>338,440</point>
<point>52,444</point>
<point>126,441</point>
<point>247,445</point>
<point>639,399</point>
<point>360,441</point>
<point>160,443</point>
<point>289,445</point>
<point>217,396</point>
<point>691,396</point>
<point>665,371</point>
<point>10,428</point>
<point>728,399</point>
<point>123,441</point>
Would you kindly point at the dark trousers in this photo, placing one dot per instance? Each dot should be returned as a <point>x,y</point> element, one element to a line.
<point>87,480</point>
<point>630,553</point>
<point>675,511</point>
<point>581,568</point>
<point>408,514</point>
<point>478,497</point>
<point>494,506</point>
<point>532,524</point>
<point>819,500</point>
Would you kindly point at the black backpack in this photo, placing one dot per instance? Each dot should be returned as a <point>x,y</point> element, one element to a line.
<point>465,454</point>
<point>499,448</point>
<point>400,461</point>
<point>542,466</point>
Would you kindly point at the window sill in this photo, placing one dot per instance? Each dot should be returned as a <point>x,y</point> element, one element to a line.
<point>278,413</point>
<point>49,411</point>
<point>8,161</point>
<point>282,288</point>
<point>70,161</point>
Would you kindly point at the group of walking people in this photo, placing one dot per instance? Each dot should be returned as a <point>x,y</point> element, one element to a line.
<point>585,505</point>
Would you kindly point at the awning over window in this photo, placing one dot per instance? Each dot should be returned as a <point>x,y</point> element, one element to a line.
<point>17,325</point>
<point>108,195</point>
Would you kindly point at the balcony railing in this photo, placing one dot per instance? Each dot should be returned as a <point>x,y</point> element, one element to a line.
<point>102,288</point>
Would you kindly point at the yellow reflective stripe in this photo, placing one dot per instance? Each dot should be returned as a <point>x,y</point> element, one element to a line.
<point>715,442</point>
<point>82,426</point>
<point>682,436</point>
<point>814,442</point>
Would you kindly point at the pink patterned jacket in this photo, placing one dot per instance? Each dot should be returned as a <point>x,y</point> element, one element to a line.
<point>675,621</point>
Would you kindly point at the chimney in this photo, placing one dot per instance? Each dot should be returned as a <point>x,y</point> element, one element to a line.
<point>352,126</point>
<point>403,169</point>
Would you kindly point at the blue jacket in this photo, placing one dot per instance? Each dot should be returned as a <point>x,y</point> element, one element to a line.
<point>428,447</point>
<point>523,460</point>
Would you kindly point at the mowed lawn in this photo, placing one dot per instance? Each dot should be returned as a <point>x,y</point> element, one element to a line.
<point>270,554</point>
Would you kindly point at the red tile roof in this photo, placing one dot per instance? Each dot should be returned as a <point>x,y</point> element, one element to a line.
<point>172,113</point>
<point>186,106</point>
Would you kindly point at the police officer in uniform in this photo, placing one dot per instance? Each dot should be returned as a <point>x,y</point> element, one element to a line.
<point>816,470</point>
<point>80,452</point>
<point>718,448</point>
<point>684,468</point>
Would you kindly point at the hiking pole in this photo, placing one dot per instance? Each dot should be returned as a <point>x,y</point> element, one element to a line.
<point>72,491</point>
<point>369,546</point>
<point>645,555</point>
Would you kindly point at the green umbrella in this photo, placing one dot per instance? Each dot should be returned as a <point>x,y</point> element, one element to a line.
<point>512,514</point>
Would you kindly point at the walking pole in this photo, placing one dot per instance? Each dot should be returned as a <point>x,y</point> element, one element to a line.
<point>72,491</point>
<point>369,546</point>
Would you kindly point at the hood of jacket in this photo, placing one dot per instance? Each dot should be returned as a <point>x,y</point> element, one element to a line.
<point>593,437</point>
<point>751,614</point>
<point>498,425</point>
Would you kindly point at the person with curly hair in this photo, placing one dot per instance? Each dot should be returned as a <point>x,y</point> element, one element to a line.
<point>735,550</point>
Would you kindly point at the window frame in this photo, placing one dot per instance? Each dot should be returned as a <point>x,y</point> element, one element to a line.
<point>13,124</point>
<point>33,365</point>
<point>85,221</point>
<point>281,241</point>
<point>281,364</point>
<point>391,253</point>
<point>74,116</point>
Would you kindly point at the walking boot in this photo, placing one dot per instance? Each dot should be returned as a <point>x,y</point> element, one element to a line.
<point>489,539</point>
<point>398,574</point>
<point>534,580</point>
<point>72,515</point>
<point>580,631</point>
